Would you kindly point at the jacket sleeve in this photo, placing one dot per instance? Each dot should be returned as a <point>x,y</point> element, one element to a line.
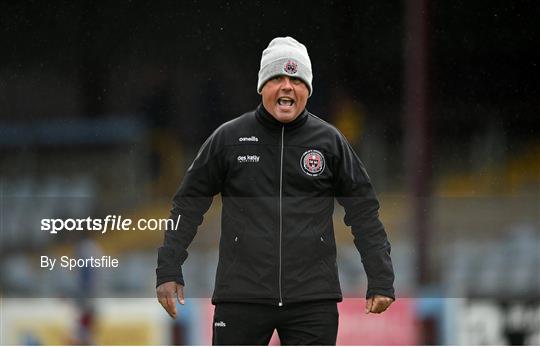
<point>201,182</point>
<point>355,193</point>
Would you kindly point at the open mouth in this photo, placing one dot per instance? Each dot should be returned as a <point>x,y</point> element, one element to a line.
<point>285,101</point>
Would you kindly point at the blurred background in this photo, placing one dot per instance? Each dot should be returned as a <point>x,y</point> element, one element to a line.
<point>104,105</point>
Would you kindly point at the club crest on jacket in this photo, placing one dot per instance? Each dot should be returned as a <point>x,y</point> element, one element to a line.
<point>312,162</point>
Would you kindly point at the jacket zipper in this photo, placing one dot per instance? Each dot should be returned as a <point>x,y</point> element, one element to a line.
<point>280,212</point>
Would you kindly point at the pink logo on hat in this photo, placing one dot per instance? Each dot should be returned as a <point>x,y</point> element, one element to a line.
<point>290,67</point>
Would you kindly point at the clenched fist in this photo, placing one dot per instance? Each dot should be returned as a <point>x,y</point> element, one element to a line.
<point>378,304</point>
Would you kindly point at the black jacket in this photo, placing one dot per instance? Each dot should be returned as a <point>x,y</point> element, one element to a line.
<point>278,183</point>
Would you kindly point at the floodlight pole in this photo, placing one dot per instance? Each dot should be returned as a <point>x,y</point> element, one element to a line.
<point>417,126</point>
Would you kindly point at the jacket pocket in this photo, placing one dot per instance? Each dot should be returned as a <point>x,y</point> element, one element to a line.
<point>327,266</point>
<point>231,238</point>
<point>330,273</point>
<point>322,245</point>
<point>235,245</point>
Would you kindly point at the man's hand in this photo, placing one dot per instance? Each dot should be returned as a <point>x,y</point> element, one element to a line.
<point>166,294</point>
<point>378,304</point>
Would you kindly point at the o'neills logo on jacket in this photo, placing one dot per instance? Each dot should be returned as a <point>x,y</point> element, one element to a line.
<point>220,324</point>
<point>249,139</point>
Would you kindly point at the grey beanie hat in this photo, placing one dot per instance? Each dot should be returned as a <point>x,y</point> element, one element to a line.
<point>285,56</point>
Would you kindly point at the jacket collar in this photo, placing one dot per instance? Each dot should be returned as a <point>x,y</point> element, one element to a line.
<point>270,122</point>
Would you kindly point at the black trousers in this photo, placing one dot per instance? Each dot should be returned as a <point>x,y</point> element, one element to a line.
<point>310,323</point>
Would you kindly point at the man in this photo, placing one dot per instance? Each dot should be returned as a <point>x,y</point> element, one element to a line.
<point>278,170</point>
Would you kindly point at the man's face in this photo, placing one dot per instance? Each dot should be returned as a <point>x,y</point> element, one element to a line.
<point>284,97</point>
